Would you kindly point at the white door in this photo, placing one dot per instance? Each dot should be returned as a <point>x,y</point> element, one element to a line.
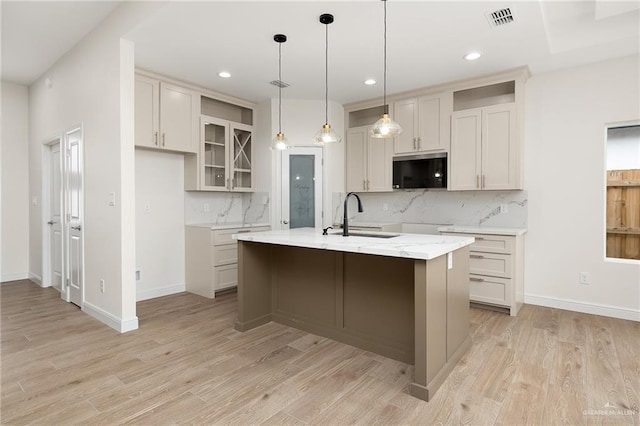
<point>55,220</point>
<point>302,188</point>
<point>499,156</point>
<point>465,170</point>
<point>74,214</point>
<point>357,140</point>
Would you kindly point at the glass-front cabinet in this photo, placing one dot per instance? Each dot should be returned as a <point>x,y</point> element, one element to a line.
<point>226,155</point>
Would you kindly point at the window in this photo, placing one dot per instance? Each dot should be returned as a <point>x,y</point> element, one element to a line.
<point>623,192</point>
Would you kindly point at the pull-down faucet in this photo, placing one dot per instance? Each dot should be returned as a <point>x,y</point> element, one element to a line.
<point>345,220</point>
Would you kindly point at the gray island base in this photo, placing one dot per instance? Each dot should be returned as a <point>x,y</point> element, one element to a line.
<point>412,310</point>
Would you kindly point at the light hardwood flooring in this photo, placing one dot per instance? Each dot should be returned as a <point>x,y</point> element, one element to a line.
<point>187,365</point>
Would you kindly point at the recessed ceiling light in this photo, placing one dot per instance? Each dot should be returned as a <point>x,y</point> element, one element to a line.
<point>472,56</point>
<point>369,82</point>
<point>224,74</point>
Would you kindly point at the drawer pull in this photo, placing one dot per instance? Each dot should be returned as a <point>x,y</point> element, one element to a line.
<point>243,231</point>
<point>476,256</point>
<point>476,279</point>
<point>479,238</point>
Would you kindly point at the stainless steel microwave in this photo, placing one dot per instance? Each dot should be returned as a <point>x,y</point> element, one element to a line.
<point>420,171</point>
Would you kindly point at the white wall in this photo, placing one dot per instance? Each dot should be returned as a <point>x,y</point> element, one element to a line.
<point>159,223</point>
<point>566,115</point>
<point>15,182</point>
<point>623,148</point>
<point>301,120</point>
<point>93,84</point>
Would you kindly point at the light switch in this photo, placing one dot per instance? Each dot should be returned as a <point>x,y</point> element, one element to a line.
<point>112,199</point>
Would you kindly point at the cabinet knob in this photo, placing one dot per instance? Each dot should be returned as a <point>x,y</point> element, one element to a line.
<point>163,139</point>
<point>155,135</point>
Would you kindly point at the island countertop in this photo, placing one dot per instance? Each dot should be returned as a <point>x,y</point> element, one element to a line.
<point>410,246</point>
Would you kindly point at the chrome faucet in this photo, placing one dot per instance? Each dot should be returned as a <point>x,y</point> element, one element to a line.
<point>345,220</point>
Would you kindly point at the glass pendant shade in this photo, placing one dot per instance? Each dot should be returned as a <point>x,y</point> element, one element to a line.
<point>279,143</point>
<point>326,135</point>
<point>385,127</point>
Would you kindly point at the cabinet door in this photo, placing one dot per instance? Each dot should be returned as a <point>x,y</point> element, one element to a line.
<point>433,122</point>
<point>379,165</point>
<point>177,112</point>
<point>146,112</point>
<point>499,150</point>
<point>406,115</point>
<point>356,158</point>
<point>464,173</point>
<point>214,154</point>
<point>241,161</point>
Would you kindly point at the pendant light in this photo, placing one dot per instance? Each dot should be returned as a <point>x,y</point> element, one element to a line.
<point>385,127</point>
<point>280,142</point>
<point>326,134</point>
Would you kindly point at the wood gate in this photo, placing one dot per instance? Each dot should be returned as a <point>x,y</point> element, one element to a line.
<point>623,214</point>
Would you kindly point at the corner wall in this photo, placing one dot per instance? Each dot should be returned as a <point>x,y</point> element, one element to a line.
<point>15,182</point>
<point>566,115</point>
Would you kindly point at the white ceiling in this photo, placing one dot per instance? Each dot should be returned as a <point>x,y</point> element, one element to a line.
<point>193,41</point>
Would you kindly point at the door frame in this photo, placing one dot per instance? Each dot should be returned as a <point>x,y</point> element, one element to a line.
<point>318,153</point>
<point>45,210</point>
<point>276,182</point>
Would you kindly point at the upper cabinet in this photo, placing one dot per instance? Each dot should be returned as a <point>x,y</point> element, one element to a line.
<point>165,116</point>
<point>369,161</point>
<point>486,139</point>
<point>425,124</point>
<point>225,161</point>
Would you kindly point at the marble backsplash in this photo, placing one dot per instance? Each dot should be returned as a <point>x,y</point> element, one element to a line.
<point>226,207</point>
<point>438,207</point>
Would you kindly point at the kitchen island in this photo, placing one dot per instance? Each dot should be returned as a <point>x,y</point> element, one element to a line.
<point>403,296</point>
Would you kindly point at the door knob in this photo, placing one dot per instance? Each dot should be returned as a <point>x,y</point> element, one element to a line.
<point>76,228</point>
<point>51,222</point>
<point>286,222</point>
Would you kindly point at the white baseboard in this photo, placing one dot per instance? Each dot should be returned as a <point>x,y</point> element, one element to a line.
<point>159,292</point>
<point>118,324</point>
<point>35,278</point>
<point>15,277</point>
<point>587,308</point>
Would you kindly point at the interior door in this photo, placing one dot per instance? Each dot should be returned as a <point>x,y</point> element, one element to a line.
<point>55,221</point>
<point>302,188</point>
<point>74,213</point>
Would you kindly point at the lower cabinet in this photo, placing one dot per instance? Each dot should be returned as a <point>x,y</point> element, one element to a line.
<point>496,270</point>
<point>212,258</point>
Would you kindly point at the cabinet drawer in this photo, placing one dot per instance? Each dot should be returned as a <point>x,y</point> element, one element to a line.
<point>495,265</point>
<point>225,276</point>
<point>225,254</point>
<point>489,290</point>
<point>493,244</point>
<point>224,236</point>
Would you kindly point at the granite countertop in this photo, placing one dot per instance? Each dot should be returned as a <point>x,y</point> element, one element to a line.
<point>229,225</point>
<point>411,246</point>
<point>467,229</point>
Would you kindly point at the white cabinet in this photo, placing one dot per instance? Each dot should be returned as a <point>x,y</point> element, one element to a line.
<point>425,124</point>
<point>496,270</point>
<point>212,258</point>
<point>165,115</point>
<point>226,155</point>
<point>369,162</point>
<point>485,149</point>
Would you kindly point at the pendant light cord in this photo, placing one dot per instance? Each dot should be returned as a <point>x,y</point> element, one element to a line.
<point>326,74</point>
<point>384,79</point>
<point>280,87</point>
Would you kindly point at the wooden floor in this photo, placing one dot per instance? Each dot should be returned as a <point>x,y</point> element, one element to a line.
<point>187,365</point>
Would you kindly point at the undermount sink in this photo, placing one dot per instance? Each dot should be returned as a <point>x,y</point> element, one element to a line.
<point>367,235</point>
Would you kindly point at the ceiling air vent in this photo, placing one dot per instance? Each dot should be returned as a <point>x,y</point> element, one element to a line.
<point>279,83</point>
<point>500,17</point>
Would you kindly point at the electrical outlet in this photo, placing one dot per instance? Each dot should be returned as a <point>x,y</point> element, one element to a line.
<point>504,208</point>
<point>147,208</point>
<point>585,278</point>
<point>206,208</point>
<point>101,286</point>
<point>385,207</point>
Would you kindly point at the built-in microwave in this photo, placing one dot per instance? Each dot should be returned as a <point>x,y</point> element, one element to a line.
<point>420,171</point>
